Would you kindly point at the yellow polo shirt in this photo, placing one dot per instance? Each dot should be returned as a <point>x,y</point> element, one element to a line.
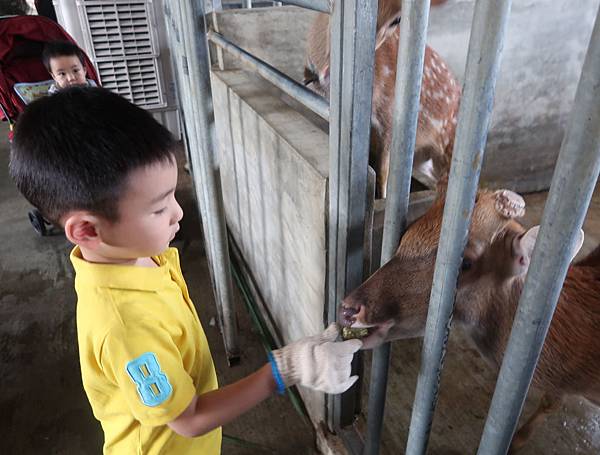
<point>143,354</point>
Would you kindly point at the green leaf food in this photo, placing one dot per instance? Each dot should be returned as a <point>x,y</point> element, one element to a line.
<point>350,333</point>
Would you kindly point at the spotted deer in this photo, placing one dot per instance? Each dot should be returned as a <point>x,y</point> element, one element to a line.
<point>439,99</point>
<point>393,302</point>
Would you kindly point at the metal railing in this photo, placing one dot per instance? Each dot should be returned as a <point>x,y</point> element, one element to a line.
<point>573,183</point>
<point>409,72</point>
<point>189,49</point>
<point>352,44</point>
<point>353,25</point>
<point>286,84</point>
<point>316,5</point>
<point>483,59</point>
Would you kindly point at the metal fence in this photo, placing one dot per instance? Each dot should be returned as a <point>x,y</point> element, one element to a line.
<point>353,25</point>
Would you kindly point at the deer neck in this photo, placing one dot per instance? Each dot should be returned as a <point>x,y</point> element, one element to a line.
<point>487,315</point>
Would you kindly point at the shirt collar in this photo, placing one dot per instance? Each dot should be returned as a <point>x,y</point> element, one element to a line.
<point>124,276</point>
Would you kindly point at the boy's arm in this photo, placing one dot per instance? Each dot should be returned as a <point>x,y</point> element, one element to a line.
<point>214,409</point>
<point>316,362</point>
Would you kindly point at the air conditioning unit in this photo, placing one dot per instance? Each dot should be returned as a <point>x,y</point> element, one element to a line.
<point>126,41</point>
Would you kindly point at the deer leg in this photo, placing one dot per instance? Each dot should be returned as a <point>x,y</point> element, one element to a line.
<point>425,164</point>
<point>380,152</point>
<point>376,150</point>
<point>547,406</point>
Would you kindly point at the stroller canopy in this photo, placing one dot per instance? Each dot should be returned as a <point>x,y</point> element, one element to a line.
<point>22,40</point>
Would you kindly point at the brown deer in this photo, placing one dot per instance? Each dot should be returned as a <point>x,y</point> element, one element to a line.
<point>394,300</point>
<point>439,100</point>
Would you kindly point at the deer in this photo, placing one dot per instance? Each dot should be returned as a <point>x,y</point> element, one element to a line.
<point>393,302</point>
<point>439,96</point>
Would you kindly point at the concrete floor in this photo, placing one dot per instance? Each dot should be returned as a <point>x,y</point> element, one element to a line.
<point>44,409</point>
<point>43,406</point>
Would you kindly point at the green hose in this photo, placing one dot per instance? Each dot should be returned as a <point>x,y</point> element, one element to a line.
<point>266,337</point>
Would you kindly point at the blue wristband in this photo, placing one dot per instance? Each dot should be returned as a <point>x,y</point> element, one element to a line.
<point>276,374</point>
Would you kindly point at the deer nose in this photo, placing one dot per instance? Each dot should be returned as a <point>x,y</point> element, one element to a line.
<point>348,314</point>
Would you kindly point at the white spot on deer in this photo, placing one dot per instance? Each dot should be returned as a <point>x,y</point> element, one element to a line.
<point>435,123</point>
<point>375,123</point>
<point>427,168</point>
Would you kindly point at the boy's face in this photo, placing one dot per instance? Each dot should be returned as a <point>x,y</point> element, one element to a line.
<point>67,71</point>
<point>149,215</point>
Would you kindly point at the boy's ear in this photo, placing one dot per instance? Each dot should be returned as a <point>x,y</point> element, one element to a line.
<point>81,228</point>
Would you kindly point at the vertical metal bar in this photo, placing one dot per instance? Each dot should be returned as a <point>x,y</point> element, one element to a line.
<point>217,5</point>
<point>178,56</point>
<point>485,48</point>
<point>193,135</point>
<point>409,72</point>
<point>571,189</point>
<point>353,27</point>
<point>246,3</point>
<point>189,38</point>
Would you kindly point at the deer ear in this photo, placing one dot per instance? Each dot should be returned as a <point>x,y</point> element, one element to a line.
<point>527,242</point>
<point>388,16</point>
<point>522,247</point>
<point>577,243</point>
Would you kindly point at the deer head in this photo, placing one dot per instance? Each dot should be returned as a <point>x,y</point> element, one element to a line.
<point>394,300</point>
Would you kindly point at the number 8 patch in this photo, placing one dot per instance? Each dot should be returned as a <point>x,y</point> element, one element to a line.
<point>152,384</point>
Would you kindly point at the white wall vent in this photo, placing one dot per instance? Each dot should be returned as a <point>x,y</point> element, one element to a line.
<point>127,44</point>
<point>124,50</point>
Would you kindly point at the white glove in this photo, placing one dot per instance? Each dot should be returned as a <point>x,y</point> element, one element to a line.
<point>318,362</point>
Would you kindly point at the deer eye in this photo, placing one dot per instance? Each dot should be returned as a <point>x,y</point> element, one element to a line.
<point>466,264</point>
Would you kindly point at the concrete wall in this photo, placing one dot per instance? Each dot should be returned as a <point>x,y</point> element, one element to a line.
<point>543,54</point>
<point>541,63</point>
<point>273,165</point>
<point>275,35</point>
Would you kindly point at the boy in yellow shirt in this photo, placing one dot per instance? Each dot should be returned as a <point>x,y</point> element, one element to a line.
<point>104,169</point>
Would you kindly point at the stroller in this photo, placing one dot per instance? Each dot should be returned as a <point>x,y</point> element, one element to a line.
<point>23,77</point>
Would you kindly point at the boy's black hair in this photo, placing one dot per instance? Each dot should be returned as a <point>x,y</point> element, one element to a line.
<point>55,49</point>
<point>74,150</point>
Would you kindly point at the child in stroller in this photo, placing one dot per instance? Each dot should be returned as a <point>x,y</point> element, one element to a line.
<point>66,64</point>
<point>23,77</point>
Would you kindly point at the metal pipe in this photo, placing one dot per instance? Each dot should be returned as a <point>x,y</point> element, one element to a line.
<point>317,5</point>
<point>353,29</point>
<point>571,189</point>
<point>483,59</point>
<point>193,135</point>
<point>178,55</point>
<point>294,89</point>
<point>409,72</point>
<point>247,4</point>
<point>194,66</point>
